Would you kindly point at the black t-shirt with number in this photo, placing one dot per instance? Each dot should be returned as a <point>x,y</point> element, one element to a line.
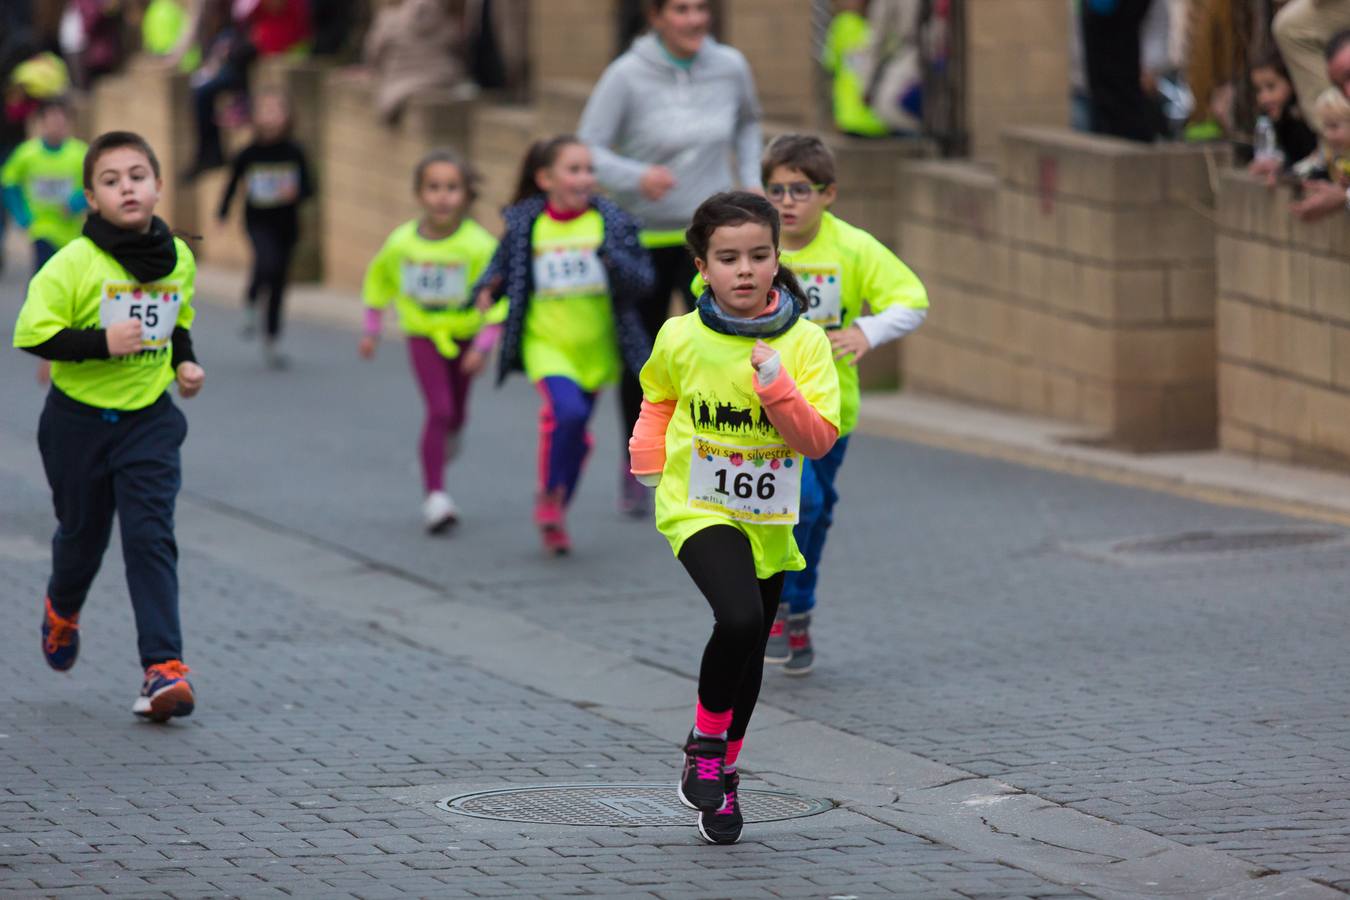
<point>276,179</point>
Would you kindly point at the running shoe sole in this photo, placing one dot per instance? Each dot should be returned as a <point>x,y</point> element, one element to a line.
<point>709,839</point>
<point>800,670</point>
<point>174,700</point>
<point>685,801</point>
<point>443,525</point>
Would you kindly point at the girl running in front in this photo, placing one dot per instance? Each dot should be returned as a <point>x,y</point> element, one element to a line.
<point>571,267</point>
<point>734,395</point>
<point>425,268</point>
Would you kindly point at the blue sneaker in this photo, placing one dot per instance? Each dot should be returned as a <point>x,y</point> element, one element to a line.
<point>166,692</point>
<point>60,638</point>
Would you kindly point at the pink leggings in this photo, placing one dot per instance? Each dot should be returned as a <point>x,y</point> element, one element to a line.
<point>445,389</point>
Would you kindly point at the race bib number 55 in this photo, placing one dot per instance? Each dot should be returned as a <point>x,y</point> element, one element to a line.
<point>749,484</point>
<point>156,305</point>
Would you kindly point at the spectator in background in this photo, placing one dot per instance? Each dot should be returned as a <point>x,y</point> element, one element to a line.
<point>1278,106</point>
<point>1111,55</point>
<point>891,69</point>
<point>1211,69</point>
<point>16,43</point>
<point>1324,198</point>
<point>843,56</point>
<point>411,46</point>
<point>663,123</point>
<point>1302,30</point>
<point>226,54</point>
<point>275,27</point>
<point>91,38</point>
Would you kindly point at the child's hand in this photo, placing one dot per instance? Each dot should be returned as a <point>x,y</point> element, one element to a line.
<point>472,362</point>
<point>367,347</point>
<point>124,338</point>
<point>849,340</point>
<point>44,373</point>
<point>191,377</point>
<point>484,299</point>
<point>761,354</point>
<point>1265,169</point>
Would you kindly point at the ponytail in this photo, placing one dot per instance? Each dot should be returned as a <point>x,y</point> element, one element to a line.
<point>541,155</point>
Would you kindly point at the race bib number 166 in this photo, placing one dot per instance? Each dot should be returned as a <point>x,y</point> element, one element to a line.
<point>749,484</point>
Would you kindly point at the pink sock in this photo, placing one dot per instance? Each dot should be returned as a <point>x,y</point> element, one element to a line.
<point>733,751</point>
<point>711,723</point>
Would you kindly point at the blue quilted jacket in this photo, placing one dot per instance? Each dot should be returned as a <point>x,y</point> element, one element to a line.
<point>631,277</point>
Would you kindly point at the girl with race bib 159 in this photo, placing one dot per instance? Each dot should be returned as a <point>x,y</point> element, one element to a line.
<point>735,394</point>
<point>571,267</point>
<point>426,267</point>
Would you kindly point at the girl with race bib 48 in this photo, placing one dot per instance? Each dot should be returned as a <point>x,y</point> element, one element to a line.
<point>425,267</point>
<point>572,268</point>
<point>735,394</point>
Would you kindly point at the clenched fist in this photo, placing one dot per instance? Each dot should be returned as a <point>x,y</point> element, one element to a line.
<point>124,338</point>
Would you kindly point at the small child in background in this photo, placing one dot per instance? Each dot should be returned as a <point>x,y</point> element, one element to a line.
<point>425,268</point>
<point>1283,137</point>
<point>570,265</point>
<point>1331,161</point>
<point>277,181</point>
<point>844,46</point>
<point>42,182</point>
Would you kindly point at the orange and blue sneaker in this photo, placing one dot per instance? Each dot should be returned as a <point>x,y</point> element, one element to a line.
<point>166,692</point>
<point>60,638</point>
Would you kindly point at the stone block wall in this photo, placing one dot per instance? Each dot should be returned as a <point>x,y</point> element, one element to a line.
<point>1075,281</point>
<point>776,38</point>
<point>1283,328</point>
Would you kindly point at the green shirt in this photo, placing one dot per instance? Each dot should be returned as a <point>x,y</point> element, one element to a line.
<point>845,41</point>
<point>83,287</point>
<point>429,282</point>
<point>569,326</point>
<point>743,470</point>
<point>50,180</point>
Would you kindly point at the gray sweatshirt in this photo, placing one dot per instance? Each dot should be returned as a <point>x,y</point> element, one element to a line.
<point>646,110</point>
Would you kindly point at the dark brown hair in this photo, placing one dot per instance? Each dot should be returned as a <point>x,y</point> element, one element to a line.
<point>1271,59</point>
<point>472,180</point>
<point>115,140</point>
<point>541,155</point>
<point>804,152</point>
<point>732,208</point>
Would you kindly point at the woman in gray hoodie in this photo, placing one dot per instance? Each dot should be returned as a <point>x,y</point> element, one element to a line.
<point>663,124</point>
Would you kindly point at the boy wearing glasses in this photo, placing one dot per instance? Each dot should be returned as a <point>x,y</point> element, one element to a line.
<point>839,267</point>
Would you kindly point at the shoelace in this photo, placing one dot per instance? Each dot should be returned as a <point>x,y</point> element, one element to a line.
<point>60,634</point>
<point>171,669</point>
<point>709,768</point>
<point>730,806</point>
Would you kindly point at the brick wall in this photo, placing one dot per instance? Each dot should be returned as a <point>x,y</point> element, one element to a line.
<point>1283,328</point>
<point>776,39</point>
<point>1017,68</point>
<point>1075,281</point>
<point>571,39</point>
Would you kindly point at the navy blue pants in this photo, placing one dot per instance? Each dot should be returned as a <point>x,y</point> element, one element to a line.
<point>101,462</point>
<point>564,441</point>
<point>42,251</point>
<point>813,524</point>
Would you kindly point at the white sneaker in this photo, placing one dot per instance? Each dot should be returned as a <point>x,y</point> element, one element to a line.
<point>439,512</point>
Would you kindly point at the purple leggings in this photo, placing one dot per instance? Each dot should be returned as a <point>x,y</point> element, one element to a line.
<point>445,389</point>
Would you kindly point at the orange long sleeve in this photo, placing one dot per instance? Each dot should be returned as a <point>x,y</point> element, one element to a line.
<point>800,424</point>
<point>647,446</point>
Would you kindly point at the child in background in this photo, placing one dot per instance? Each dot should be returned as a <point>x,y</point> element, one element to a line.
<point>113,311</point>
<point>734,395</point>
<point>425,268</point>
<point>840,268</point>
<point>571,266</point>
<point>1331,161</point>
<point>845,43</point>
<point>41,182</point>
<point>277,181</point>
<point>1288,139</point>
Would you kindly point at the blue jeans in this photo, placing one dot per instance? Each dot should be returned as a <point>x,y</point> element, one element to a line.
<point>813,523</point>
<point>42,251</point>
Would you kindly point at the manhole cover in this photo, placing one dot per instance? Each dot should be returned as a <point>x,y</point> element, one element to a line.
<point>617,805</point>
<point>1212,542</point>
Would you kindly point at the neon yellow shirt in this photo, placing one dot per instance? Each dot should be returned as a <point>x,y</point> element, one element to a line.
<point>845,40</point>
<point>50,181</point>
<point>83,287</point>
<point>569,326</point>
<point>741,454</point>
<point>429,282</point>
<point>841,267</point>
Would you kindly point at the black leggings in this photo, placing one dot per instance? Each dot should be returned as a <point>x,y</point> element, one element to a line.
<point>674,271</point>
<point>722,565</point>
<point>273,247</point>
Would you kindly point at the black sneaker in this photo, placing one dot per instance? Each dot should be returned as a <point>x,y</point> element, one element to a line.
<point>701,785</point>
<point>724,826</point>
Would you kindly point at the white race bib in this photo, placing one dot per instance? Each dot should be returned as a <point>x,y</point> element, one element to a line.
<point>55,191</point>
<point>156,305</point>
<point>760,484</point>
<point>435,285</point>
<point>823,285</point>
<point>563,271</point>
<point>274,184</point>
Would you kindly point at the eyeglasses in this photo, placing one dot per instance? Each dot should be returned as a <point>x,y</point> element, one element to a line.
<point>800,191</point>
